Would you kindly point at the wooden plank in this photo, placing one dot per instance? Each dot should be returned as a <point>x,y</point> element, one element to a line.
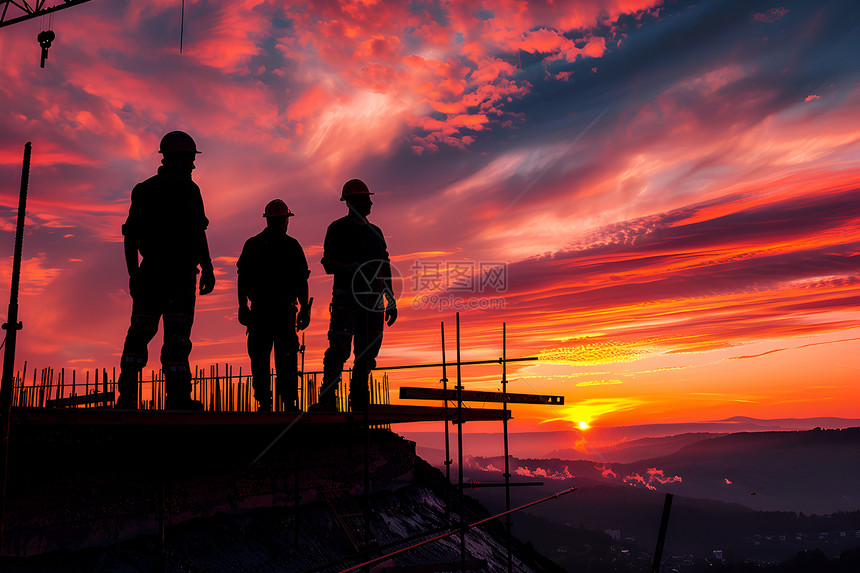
<point>412,393</point>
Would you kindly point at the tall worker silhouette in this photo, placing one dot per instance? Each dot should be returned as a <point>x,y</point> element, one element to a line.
<point>166,225</point>
<point>362,297</point>
<point>273,275</point>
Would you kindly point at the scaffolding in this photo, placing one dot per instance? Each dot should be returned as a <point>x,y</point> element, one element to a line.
<point>55,397</point>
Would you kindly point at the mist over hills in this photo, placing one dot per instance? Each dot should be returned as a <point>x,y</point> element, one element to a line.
<point>761,490</point>
<point>812,471</point>
<point>623,444</point>
<point>757,495</point>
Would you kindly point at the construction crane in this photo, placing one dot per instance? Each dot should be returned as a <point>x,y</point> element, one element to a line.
<point>38,8</point>
<point>23,10</point>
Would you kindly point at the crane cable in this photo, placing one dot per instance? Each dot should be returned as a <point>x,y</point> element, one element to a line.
<point>181,25</point>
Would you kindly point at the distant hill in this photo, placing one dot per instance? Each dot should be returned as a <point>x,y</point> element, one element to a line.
<point>763,496</point>
<point>619,444</point>
<point>640,449</point>
<point>695,527</point>
<point>814,471</point>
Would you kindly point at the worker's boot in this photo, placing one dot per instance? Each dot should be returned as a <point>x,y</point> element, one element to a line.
<point>127,388</point>
<point>182,402</point>
<point>358,399</point>
<point>324,405</point>
<point>327,399</point>
<point>290,403</point>
<point>126,402</point>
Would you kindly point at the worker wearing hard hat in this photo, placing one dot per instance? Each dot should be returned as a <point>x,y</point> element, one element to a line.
<point>166,226</point>
<point>273,277</point>
<point>362,297</point>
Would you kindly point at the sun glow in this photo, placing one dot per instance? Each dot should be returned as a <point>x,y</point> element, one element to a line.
<point>583,425</point>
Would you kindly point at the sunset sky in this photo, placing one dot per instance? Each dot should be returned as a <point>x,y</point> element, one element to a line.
<point>662,196</point>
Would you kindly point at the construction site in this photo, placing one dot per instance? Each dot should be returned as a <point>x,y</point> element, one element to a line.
<point>83,475</point>
<point>620,249</point>
<point>88,484</point>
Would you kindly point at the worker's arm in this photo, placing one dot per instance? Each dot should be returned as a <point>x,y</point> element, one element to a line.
<point>207,272</point>
<point>131,263</point>
<point>334,259</point>
<point>242,290</point>
<point>387,286</point>
<point>242,287</point>
<point>391,301</point>
<point>303,319</point>
<point>130,240</point>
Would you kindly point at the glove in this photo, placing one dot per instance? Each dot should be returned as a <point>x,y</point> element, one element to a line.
<point>303,319</point>
<point>390,314</point>
<point>207,280</point>
<point>245,315</point>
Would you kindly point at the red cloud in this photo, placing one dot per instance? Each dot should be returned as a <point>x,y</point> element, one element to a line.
<point>464,68</point>
<point>772,15</point>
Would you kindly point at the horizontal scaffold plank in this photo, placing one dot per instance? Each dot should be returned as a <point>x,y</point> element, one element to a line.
<point>412,393</point>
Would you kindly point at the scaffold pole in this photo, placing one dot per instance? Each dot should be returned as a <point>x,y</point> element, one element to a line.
<point>12,326</point>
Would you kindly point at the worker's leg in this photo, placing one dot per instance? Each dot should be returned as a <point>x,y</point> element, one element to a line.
<point>145,314</point>
<point>368,341</point>
<point>260,353</point>
<point>178,319</point>
<point>340,333</point>
<point>286,365</point>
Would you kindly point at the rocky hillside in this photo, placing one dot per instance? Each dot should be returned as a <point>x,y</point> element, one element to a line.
<point>223,513</point>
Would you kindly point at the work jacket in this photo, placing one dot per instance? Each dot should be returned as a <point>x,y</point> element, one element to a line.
<point>166,222</point>
<point>273,271</point>
<point>361,245</point>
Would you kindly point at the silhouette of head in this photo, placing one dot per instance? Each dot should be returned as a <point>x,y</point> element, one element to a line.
<point>178,150</point>
<point>277,214</point>
<point>357,197</point>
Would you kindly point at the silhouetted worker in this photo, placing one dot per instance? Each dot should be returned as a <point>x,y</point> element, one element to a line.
<point>356,254</point>
<point>167,225</point>
<point>273,275</point>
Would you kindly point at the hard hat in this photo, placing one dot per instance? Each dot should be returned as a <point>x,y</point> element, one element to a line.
<point>354,187</point>
<point>277,208</point>
<point>177,142</point>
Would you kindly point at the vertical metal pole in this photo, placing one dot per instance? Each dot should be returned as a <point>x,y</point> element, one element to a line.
<point>162,526</point>
<point>366,496</point>
<point>505,433</point>
<point>12,326</point>
<point>460,452</point>
<point>448,460</point>
<point>181,25</point>
<point>296,492</point>
<point>366,406</point>
<point>302,400</point>
<point>661,537</point>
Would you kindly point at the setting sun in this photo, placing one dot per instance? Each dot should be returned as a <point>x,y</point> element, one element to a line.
<point>583,425</point>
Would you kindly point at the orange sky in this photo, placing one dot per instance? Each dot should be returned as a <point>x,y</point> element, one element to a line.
<point>668,191</point>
